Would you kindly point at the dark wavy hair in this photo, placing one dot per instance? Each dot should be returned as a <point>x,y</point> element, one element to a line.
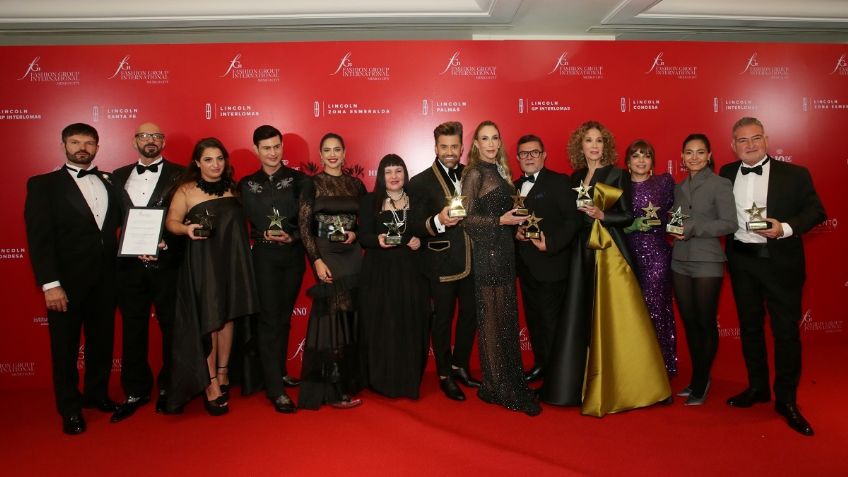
<point>192,173</point>
<point>380,194</point>
<point>575,145</point>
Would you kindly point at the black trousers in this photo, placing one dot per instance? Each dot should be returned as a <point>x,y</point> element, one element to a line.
<point>543,306</point>
<point>760,283</point>
<point>279,274</point>
<point>697,301</point>
<point>444,296</point>
<point>92,312</point>
<point>139,289</point>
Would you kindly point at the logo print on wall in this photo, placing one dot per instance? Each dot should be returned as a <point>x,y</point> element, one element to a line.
<point>236,70</point>
<point>828,226</point>
<point>338,108</point>
<point>733,104</point>
<point>18,369</point>
<point>829,104</point>
<point>659,68</point>
<point>114,112</point>
<point>841,67</point>
<point>781,155</point>
<point>34,73</point>
<point>580,71</point>
<point>373,73</point>
<point>828,326</point>
<point>18,114</point>
<point>12,253</point>
<point>455,68</point>
<point>450,106</point>
<point>638,104</point>
<point>298,350</point>
<point>125,72</point>
<point>229,111</point>
<point>753,68</point>
<point>542,105</point>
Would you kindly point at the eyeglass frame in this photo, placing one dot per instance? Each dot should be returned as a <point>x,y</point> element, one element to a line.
<point>535,154</point>
<point>157,137</point>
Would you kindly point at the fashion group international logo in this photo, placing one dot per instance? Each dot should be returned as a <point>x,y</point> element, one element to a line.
<point>841,67</point>
<point>237,70</point>
<point>35,74</point>
<point>564,68</point>
<point>754,68</point>
<point>17,369</point>
<point>480,72</point>
<point>808,324</point>
<point>125,72</point>
<point>660,68</point>
<point>346,69</point>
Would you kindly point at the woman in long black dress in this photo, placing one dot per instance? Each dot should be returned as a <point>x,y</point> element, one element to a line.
<point>215,284</point>
<point>393,294</point>
<point>327,220</point>
<point>490,223</point>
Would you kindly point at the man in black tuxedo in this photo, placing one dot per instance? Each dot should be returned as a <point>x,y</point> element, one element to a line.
<point>543,262</point>
<point>147,281</point>
<point>447,260</point>
<point>270,197</point>
<point>767,267</point>
<point>72,218</point>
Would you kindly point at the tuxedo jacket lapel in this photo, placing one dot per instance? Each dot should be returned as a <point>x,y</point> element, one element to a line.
<point>75,197</point>
<point>163,185</point>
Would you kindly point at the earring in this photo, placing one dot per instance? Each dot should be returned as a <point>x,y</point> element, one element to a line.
<point>650,172</point>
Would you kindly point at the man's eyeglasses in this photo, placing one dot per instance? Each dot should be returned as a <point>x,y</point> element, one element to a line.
<point>535,154</point>
<point>158,137</point>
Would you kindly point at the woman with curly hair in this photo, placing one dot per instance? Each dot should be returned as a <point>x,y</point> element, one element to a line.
<point>606,333</point>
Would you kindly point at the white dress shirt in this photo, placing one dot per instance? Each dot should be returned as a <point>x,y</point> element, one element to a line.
<point>527,185</point>
<point>140,186</point>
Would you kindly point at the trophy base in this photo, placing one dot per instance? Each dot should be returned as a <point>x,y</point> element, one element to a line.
<point>337,237</point>
<point>393,240</point>
<point>453,213</point>
<point>521,212</point>
<point>275,233</point>
<point>205,233</point>
<point>653,222</point>
<point>532,234</point>
<point>674,229</point>
<point>585,203</point>
<point>757,225</point>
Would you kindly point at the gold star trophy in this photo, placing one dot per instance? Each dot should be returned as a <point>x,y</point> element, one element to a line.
<point>583,198</point>
<point>755,218</point>
<point>337,231</point>
<point>275,228</point>
<point>207,224</point>
<point>651,217</point>
<point>532,230</point>
<point>455,207</point>
<point>518,205</point>
<point>675,224</point>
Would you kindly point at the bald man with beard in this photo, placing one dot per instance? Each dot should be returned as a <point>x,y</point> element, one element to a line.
<point>145,282</point>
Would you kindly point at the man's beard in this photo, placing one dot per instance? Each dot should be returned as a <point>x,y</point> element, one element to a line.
<point>150,153</point>
<point>81,158</point>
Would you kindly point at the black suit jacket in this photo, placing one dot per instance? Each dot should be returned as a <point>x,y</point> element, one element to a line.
<point>446,256</point>
<point>169,178</point>
<point>791,198</point>
<point>64,241</point>
<point>552,199</point>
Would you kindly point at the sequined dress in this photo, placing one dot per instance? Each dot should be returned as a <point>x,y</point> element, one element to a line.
<point>653,257</point>
<point>488,196</point>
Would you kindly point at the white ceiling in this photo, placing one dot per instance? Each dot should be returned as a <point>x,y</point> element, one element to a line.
<point>183,21</point>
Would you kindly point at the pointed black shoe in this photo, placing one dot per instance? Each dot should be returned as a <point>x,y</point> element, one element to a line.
<point>794,418</point>
<point>290,381</point>
<point>128,408</point>
<point>451,390</point>
<point>748,398</point>
<point>283,404</point>
<point>73,425</point>
<point>463,376</point>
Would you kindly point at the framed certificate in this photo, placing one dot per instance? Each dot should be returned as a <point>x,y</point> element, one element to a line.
<point>142,232</point>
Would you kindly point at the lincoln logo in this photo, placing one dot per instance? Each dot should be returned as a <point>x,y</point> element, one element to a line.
<point>840,63</point>
<point>122,66</point>
<point>235,64</point>
<point>752,61</point>
<point>32,68</point>
<point>454,61</point>
<point>658,61</point>
<point>561,61</point>
<point>345,63</point>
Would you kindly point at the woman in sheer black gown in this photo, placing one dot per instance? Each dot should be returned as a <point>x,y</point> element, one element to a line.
<point>490,223</point>
<point>215,284</point>
<point>327,220</point>
<point>394,303</point>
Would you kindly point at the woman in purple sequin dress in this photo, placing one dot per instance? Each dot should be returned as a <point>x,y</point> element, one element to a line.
<point>649,246</point>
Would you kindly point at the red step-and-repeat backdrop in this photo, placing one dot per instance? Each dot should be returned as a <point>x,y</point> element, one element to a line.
<point>387,97</point>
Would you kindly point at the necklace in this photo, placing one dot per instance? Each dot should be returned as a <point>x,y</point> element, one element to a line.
<point>392,200</point>
<point>217,188</point>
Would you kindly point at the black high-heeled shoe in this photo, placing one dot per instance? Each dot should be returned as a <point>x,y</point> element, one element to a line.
<point>218,406</point>
<point>225,388</point>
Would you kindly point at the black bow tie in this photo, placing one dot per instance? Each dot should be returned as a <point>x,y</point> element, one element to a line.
<point>83,172</point>
<point>142,169</point>
<point>530,179</point>
<point>454,174</point>
<point>758,170</point>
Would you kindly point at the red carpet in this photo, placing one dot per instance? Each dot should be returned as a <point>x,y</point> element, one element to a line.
<point>434,436</point>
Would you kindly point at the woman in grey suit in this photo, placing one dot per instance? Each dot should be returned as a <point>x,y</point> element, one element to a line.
<point>706,201</point>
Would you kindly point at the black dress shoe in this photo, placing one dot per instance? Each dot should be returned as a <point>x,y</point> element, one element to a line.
<point>534,374</point>
<point>161,404</point>
<point>290,381</point>
<point>464,377</point>
<point>128,408</point>
<point>794,418</point>
<point>283,403</point>
<point>73,425</point>
<point>748,398</point>
<point>451,390</point>
<point>102,405</point>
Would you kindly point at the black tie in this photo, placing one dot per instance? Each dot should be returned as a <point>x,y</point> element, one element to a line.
<point>142,169</point>
<point>83,172</point>
<point>530,179</point>
<point>758,170</point>
<point>454,174</point>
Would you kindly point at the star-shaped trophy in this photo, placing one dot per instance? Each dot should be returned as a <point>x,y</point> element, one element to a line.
<point>651,217</point>
<point>275,228</point>
<point>583,198</point>
<point>455,207</point>
<point>393,235</point>
<point>337,231</point>
<point>532,230</point>
<point>207,224</point>
<point>675,224</point>
<point>755,218</point>
<point>518,205</point>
